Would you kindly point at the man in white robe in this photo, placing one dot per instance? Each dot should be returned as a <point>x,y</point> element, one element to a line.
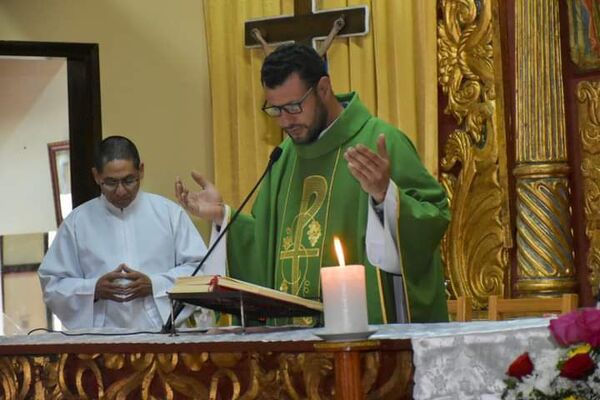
<point>115,256</point>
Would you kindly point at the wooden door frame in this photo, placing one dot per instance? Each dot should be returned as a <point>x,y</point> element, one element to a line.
<point>85,125</point>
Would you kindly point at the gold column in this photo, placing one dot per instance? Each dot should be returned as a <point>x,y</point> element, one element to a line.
<point>544,238</point>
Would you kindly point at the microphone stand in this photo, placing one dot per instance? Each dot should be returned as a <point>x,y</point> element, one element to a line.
<point>169,326</point>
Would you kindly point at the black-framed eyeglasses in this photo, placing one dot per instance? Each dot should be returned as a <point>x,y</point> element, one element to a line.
<point>290,108</point>
<point>128,183</point>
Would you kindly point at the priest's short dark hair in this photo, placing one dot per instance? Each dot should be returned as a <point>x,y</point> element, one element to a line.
<point>290,58</point>
<point>116,148</point>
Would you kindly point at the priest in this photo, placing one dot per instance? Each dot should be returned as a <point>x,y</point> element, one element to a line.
<point>342,172</point>
<point>115,256</point>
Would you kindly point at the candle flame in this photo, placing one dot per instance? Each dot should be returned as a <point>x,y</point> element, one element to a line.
<point>339,251</point>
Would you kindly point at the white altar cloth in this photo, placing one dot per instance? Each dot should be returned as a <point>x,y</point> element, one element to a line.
<point>457,360</point>
<point>471,362</point>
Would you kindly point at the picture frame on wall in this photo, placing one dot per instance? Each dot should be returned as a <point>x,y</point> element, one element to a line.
<point>60,172</point>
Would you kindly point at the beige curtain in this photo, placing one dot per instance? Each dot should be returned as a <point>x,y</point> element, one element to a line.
<point>393,68</point>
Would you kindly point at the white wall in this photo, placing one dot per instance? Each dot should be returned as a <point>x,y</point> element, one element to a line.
<point>153,74</point>
<point>33,113</point>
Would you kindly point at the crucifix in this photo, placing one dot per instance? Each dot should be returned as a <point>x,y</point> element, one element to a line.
<point>307,25</point>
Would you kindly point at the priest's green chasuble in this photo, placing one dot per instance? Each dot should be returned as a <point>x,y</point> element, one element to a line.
<point>310,196</point>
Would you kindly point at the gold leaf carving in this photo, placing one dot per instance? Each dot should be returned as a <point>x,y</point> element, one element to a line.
<point>465,63</point>
<point>31,377</point>
<point>141,361</point>
<point>475,247</point>
<point>46,378</point>
<point>241,376</point>
<point>259,381</point>
<point>64,377</point>
<point>371,363</point>
<point>114,361</point>
<point>588,96</point>
<point>194,361</point>
<point>225,360</point>
<point>85,367</point>
<point>316,368</point>
<point>289,365</point>
<point>8,377</point>
<point>229,376</point>
<point>398,381</point>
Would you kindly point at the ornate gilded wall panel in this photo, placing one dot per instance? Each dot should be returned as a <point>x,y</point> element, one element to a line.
<point>475,247</point>
<point>588,110</point>
<point>544,238</point>
<point>242,376</point>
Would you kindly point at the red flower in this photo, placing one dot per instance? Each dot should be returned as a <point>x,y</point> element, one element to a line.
<point>566,330</point>
<point>578,367</point>
<point>521,367</point>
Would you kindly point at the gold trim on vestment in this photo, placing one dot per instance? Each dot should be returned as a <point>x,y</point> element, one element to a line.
<point>314,194</point>
<point>285,208</point>
<point>332,179</point>
<point>401,257</point>
<point>300,229</point>
<point>381,296</point>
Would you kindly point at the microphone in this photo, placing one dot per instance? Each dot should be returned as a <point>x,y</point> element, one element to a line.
<point>275,154</point>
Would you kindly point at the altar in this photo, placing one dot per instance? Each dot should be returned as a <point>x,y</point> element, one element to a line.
<point>421,361</point>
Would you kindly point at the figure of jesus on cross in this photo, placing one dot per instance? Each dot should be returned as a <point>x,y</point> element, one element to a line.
<point>307,26</point>
<point>338,25</point>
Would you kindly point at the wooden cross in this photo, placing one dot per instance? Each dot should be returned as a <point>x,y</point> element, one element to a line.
<point>307,25</point>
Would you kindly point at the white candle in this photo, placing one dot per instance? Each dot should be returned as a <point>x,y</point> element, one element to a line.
<point>344,297</point>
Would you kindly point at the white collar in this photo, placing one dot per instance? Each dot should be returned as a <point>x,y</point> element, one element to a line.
<point>121,211</point>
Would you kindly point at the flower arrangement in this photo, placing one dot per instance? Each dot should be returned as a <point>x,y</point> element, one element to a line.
<point>569,372</point>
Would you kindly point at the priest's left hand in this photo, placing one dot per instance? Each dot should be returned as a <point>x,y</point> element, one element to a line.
<point>139,287</point>
<point>372,170</point>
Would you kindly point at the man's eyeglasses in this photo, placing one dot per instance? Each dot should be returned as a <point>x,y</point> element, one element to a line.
<point>128,183</point>
<point>290,108</point>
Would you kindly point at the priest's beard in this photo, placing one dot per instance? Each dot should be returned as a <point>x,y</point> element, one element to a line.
<point>317,126</point>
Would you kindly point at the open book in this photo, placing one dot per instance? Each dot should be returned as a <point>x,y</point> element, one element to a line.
<point>221,293</point>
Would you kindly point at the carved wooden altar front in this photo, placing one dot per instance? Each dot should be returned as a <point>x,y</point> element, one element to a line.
<point>249,370</point>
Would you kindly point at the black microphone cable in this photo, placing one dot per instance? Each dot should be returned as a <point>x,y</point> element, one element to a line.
<point>275,154</point>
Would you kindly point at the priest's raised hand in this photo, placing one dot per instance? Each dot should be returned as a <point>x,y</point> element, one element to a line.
<point>206,203</point>
<point>372,170</point>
